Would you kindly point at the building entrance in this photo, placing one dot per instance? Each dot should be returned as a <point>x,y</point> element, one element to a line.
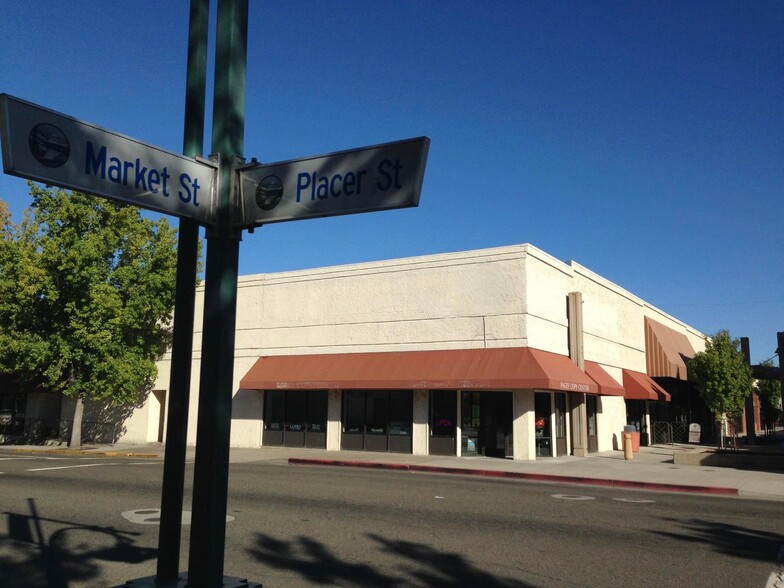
<point>486,423</point>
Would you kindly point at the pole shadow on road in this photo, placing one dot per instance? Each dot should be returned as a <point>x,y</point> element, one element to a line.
<point>318,565</point>
<point>28,557</point>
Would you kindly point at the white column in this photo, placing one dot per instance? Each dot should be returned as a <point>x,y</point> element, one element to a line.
<point>420,434</point>
<point>523,425</point>
<point>334,398</point>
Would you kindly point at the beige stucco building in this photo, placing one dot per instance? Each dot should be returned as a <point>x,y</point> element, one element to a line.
<point>504,351</point>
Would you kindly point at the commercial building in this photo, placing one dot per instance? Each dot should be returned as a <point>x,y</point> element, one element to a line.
<point>504,351</point>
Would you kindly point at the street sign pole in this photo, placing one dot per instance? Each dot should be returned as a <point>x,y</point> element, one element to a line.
<point>210,484</point>
<point>170,533</point>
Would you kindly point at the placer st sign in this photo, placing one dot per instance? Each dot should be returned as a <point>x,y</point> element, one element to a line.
<point>380,177</point>
<point>46,146</point>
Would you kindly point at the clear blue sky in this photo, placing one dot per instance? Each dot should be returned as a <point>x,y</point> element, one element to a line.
<point>644,140</point>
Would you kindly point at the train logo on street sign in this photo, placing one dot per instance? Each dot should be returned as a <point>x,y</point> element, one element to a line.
<point>49,145</point>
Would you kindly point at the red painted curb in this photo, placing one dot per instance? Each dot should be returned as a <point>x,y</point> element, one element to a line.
<point>661,487</point>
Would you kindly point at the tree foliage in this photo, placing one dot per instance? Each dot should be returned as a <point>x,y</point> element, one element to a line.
<point>86,295</point>
<point>721,373</point>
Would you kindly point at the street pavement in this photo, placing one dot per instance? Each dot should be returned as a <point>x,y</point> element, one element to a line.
<point>652,468</point>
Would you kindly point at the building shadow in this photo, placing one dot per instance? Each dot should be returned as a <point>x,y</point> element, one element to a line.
<point>32,557</point>
<point>728,539</point>
<point>419,564</point>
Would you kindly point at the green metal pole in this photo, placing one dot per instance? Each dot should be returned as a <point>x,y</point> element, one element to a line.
<point>210,483</point>
<point>170,533</point>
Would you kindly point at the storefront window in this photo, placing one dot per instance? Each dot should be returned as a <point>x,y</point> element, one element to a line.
<point>377,412</point>
<point>353,411</point>
<point>296,411</point>
<point>470,407</point>
<point>317,412</point>
<point>590,409</point>
<point>542,412</point>
<point>560,414</point>
<point>275,410</point>
<point>400,412</point>
<point>443,412</point>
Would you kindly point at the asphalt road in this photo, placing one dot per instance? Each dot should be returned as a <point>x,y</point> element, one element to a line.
<point>90,522</point>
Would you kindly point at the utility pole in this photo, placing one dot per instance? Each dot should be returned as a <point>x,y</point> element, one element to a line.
<point>780,351</point>
<point>751,433</point>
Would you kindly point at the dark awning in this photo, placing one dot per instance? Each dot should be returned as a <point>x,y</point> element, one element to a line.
<point>471,369</point>
<point>607,384</point>
<point>666,351</point>
<point>639,386</point>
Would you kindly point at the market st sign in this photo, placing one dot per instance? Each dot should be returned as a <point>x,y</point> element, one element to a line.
<point>46,146</point>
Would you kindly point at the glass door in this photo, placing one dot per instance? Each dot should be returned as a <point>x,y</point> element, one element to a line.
<point>542,416</point>
<point>590,413</point>
<point>470,423</point>
<point>560,423</point>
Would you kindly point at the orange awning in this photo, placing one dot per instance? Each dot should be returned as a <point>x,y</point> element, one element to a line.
<point>607,384</point>
<point>639,386</point>
<point>666,351</point>
<point>471,369</point>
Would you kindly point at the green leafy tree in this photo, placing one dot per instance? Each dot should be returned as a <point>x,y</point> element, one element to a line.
<point>723,378</point>
<point>770,397</point>
<point>86,297</point>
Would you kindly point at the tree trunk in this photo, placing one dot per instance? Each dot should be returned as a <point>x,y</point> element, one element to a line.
<point>76,428</point>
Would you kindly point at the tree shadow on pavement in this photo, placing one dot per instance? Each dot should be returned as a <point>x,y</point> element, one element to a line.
<point>443,569</point>
<point>318,565</point>
<point>32,557</point>
<point>728,539</point>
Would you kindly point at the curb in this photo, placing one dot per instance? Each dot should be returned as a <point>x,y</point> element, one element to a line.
<point>86,453</point>
<point>627,484</point>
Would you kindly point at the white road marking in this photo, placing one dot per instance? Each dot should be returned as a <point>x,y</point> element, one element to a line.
<point>573,497</point>
<point>635,500</point>
<point>68,467</point>
<point>31,457</point>
<point>152,516</point>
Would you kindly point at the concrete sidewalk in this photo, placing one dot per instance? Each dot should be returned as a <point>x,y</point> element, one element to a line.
<point>653,468</point>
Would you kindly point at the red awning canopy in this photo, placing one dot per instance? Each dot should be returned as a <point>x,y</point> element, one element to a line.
<point>639,386</point>
<point>666,351</point>
<point>607,384</point>
<point>471,369</point>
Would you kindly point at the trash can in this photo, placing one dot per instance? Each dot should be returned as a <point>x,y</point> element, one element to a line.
<point>635,437</point>
<point>694,432</point>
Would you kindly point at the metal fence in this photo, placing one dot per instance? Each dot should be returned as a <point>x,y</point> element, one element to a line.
<point>669,433</point>
<point>36,430</point>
